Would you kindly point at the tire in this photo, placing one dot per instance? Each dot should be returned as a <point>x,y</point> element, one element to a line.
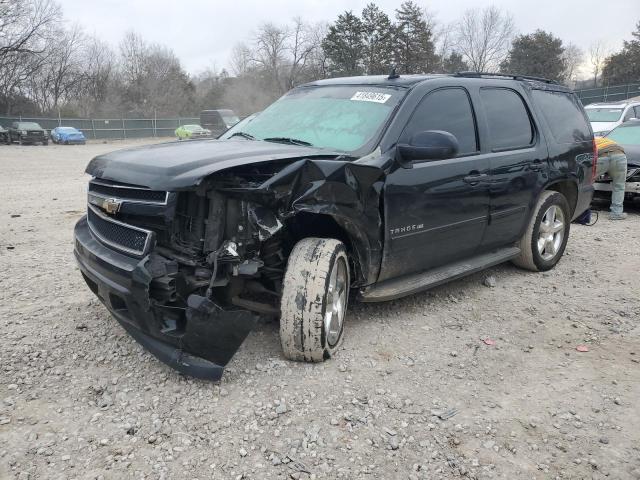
<point>309,331</point>
<point>541,250</point>
<point>45,143</point>
<point>20,142</point>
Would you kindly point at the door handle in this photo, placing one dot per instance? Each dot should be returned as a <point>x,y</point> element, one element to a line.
<point>474,178</point>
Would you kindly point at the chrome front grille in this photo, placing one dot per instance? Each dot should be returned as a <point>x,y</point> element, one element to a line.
<point>121,236</point>
<point>128,193</point>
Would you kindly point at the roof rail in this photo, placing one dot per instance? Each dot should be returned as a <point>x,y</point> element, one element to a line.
<point>503,75</point>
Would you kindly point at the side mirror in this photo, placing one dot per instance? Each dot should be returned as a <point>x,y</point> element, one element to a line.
<point>427,145</point>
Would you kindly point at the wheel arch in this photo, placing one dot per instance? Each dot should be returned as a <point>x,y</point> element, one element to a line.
<point>310,224</point>
<point>567,187</point>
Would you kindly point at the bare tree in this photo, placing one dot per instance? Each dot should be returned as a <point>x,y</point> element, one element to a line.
<point>23,24</point>
<point>317,64</point>
<point>300,47</point>
<point>598,53</point>
<point>99,64</point>
<point>25,30</point>
<point>270,48</point>
<point>60,75</point>
<point>483,37</point>
<point>241,59</point>
<point>573,57</point>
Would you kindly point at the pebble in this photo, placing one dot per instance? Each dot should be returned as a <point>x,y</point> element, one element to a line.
<point>489,281</point>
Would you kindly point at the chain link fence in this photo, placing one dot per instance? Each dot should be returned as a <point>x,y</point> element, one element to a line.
<point>110,128</point>
<point>615,93</point>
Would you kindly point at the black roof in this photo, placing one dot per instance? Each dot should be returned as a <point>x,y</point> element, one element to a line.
<point>410,80</point>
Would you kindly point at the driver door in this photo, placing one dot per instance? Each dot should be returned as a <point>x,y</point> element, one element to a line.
<point>436,212</point>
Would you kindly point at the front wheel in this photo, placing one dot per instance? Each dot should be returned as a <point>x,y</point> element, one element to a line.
<point>545,239</point>
<point>314,300</point>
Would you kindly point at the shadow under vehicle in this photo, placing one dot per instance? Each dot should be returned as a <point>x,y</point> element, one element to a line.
<point>361,188</point>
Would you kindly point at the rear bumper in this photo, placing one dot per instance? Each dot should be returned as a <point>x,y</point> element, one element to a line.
<point>198,341</point>
<point>629,187</point>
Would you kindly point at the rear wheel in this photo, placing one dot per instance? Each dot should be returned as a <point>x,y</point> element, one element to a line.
<point>545,239</point>
<point>314,300</point>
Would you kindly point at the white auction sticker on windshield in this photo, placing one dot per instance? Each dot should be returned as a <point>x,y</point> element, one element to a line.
<point>371,97</point>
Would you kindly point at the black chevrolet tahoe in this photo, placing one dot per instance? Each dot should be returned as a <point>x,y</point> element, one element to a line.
<point>365,188</point>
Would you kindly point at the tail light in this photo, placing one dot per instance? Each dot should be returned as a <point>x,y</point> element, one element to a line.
<point>594,165</point>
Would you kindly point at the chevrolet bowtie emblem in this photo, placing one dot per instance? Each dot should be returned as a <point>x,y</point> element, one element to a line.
<point>111,205</point>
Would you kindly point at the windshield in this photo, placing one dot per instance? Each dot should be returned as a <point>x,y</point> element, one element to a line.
<point>604,114</point>
<point>27,125</point>
<point>341,118</point>
<point>192,127</point>
<point>626,135</point>
<point>67,130</point>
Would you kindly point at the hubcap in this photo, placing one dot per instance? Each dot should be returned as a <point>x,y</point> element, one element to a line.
<point>551,233</point>
<point>336,302</point>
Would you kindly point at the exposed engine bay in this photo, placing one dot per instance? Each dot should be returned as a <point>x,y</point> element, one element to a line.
<point>215,254</point>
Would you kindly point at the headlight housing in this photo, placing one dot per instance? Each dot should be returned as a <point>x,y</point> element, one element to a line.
<point>23,132</point>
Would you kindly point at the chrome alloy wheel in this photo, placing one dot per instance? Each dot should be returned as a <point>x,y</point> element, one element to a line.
<point>551,233</point>
<point>336,305</point>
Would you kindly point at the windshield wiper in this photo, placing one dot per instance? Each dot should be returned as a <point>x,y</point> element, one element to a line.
<point>246,135</point>
<point>291,141</point>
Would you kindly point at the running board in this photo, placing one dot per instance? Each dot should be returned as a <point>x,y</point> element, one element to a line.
<point>409,284</point>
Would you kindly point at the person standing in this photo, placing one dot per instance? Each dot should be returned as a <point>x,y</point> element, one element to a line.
<point>612,160</point>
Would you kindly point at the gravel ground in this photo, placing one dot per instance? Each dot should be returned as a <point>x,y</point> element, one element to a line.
<point>479,378</point>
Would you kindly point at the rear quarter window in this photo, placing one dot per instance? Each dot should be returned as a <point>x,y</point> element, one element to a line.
<point>564,116</point>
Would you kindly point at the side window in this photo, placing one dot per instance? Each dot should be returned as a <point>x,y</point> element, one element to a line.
<point>637,111</point>
<point>565,116</point>
<point>629,115</point>
<point>448,109</point>
<point>507,118</point>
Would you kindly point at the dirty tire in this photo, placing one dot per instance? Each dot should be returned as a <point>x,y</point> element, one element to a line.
<point>530,258</point>
<point>305,298</point>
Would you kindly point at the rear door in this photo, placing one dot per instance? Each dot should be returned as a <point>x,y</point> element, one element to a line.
<point>518,161</point>
<point>436,212</point>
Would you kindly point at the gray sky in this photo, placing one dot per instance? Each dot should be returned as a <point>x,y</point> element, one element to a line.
<point>203,32</point>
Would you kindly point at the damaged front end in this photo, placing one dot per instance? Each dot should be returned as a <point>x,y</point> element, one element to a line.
<point>188,272</point>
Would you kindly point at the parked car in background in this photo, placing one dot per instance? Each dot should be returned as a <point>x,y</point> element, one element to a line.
<point>67,136</point>
<point>604,117</point>
<point>185,132</point>
<point>4,135</point>
<point>384,186</point>
<point>28,132</point>
<point>238,127</point>
<point>627,136</point>
<point>218,121</point>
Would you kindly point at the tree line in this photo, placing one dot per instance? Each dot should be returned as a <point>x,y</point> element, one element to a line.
<point>49,68</point>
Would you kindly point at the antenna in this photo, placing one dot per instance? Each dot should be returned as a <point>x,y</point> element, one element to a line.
<point>393,75</point>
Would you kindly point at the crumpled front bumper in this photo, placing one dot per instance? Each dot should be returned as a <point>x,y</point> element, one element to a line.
<point>208,336</point>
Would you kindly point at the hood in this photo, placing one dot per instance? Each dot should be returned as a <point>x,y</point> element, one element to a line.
<point>603,126</point>
<point>179,165</point>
